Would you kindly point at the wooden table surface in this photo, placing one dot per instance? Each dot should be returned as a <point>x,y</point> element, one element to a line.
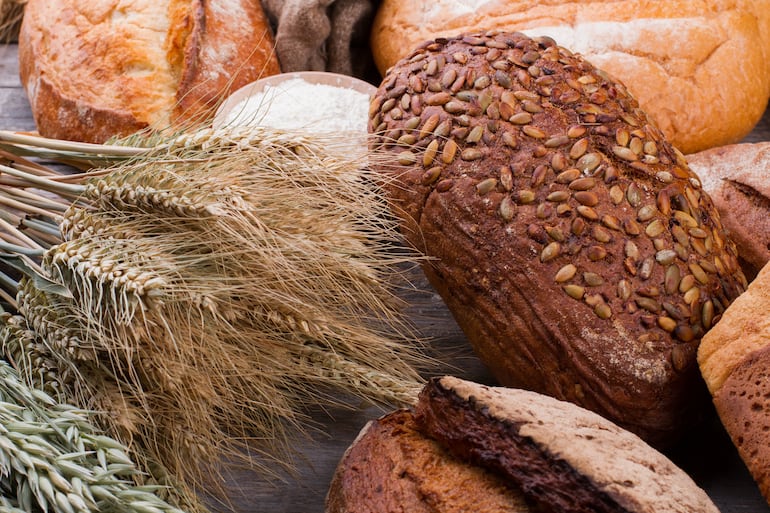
<point>707,455</point>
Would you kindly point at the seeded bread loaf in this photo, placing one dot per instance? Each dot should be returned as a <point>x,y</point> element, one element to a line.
<point>94,69</point>
<point>392,467</point>
<point>697,67</point>
<point>734,358</point>
<point>737,177</point>
<point>573,245</point>
<point>563,457</point>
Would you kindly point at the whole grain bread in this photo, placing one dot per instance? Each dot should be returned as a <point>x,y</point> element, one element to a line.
<point>737,177</point>
<point>734,358</point>
<point>96,69</point>
<point>392,467</point>
<point>576,249</point>
<point>563,457</point>
<point>697,67</point>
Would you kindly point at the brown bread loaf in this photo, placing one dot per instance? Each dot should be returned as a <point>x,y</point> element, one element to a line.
<point>697,67</point>
<point>569,239</point>
<point>737,177</point>
<point>392,467</point>
<point>94,69</point>
<point>734,358</point>
<point>563,457</point>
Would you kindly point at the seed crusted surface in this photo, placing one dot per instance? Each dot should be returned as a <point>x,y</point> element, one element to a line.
<point>567,229</point>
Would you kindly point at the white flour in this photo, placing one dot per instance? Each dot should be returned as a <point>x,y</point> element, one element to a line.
<point>298,104</point>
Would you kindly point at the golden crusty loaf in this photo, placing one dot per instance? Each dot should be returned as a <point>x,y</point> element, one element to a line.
<point>737,177</point>
<point>697,67</point>
<point>734,358</point>
<point>94,69</point>
<point>392,466</point>
<point>575,248</point>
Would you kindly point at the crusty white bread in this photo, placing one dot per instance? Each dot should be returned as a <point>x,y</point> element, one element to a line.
<point>699,68</point>
<point>94,69</point>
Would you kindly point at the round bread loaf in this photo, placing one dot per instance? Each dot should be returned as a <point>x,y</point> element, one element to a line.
<point>571,242</point>
<point>391,467</point>
<point>734,358</point>
<point>737,177</point>
<point>95,69</point>
<point>697,67</point>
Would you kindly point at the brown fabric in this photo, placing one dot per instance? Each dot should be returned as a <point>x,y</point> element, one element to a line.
<point>323,35</point>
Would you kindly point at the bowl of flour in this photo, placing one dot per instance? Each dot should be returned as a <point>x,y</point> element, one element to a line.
<point>312,101</point>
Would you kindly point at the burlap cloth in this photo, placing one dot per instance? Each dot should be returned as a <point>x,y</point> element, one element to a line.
<point>323,35</point>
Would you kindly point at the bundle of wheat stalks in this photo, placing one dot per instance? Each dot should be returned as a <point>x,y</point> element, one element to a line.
<point>202,292</point>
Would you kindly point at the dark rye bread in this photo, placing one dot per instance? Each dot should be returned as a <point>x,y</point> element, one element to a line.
<point>391,467</point>
<point>569,239</point>
<point>743,404</point>
<point>564,458</point>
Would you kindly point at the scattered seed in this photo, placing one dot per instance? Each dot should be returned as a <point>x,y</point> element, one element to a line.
<point>507,209</point>
<point>698,272</point>
<point>566,273</point>
<point>486,186</point>
<point>616,194</point>
<point>449,151</point>
<point>648,304</point>
<point>575,291</point>
<point>522,118</point>
<point>578,149</point>
<point>655,228</point>
<point>587,212</point>
<point>470,154</point>
<point>593,279</point>
<point>587,198</point>
<point>603,311</point>
<point>550,252</point>
<point>596,253</point>
<point>431,175</point>
<point>582,184</point>
<point>558,196</point>
<point>646,213</point>
<point>666,323</point>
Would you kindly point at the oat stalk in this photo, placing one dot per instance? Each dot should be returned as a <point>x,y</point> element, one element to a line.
<point>52,458</point>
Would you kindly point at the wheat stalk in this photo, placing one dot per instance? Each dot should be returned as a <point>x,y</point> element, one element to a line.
<point>210,287</point>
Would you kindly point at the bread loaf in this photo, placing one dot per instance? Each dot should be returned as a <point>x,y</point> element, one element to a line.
<point>391,467</point>
<point>697,67</point>
<point>563,457</point>
<point>94,69</point>
<point>469,447</point>
<point>734,358</point>
<point>737,177</point>
<point>573,245</point>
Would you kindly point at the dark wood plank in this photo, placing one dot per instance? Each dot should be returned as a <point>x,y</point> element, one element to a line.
<point>708,455</point>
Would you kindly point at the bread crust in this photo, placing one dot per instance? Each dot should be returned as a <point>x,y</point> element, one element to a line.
<point>564,257</point>
<point>98,69</point>
<point>392,466</point>
<point>563,457</point>
<point>737,177</point>
<point>698,68</point>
